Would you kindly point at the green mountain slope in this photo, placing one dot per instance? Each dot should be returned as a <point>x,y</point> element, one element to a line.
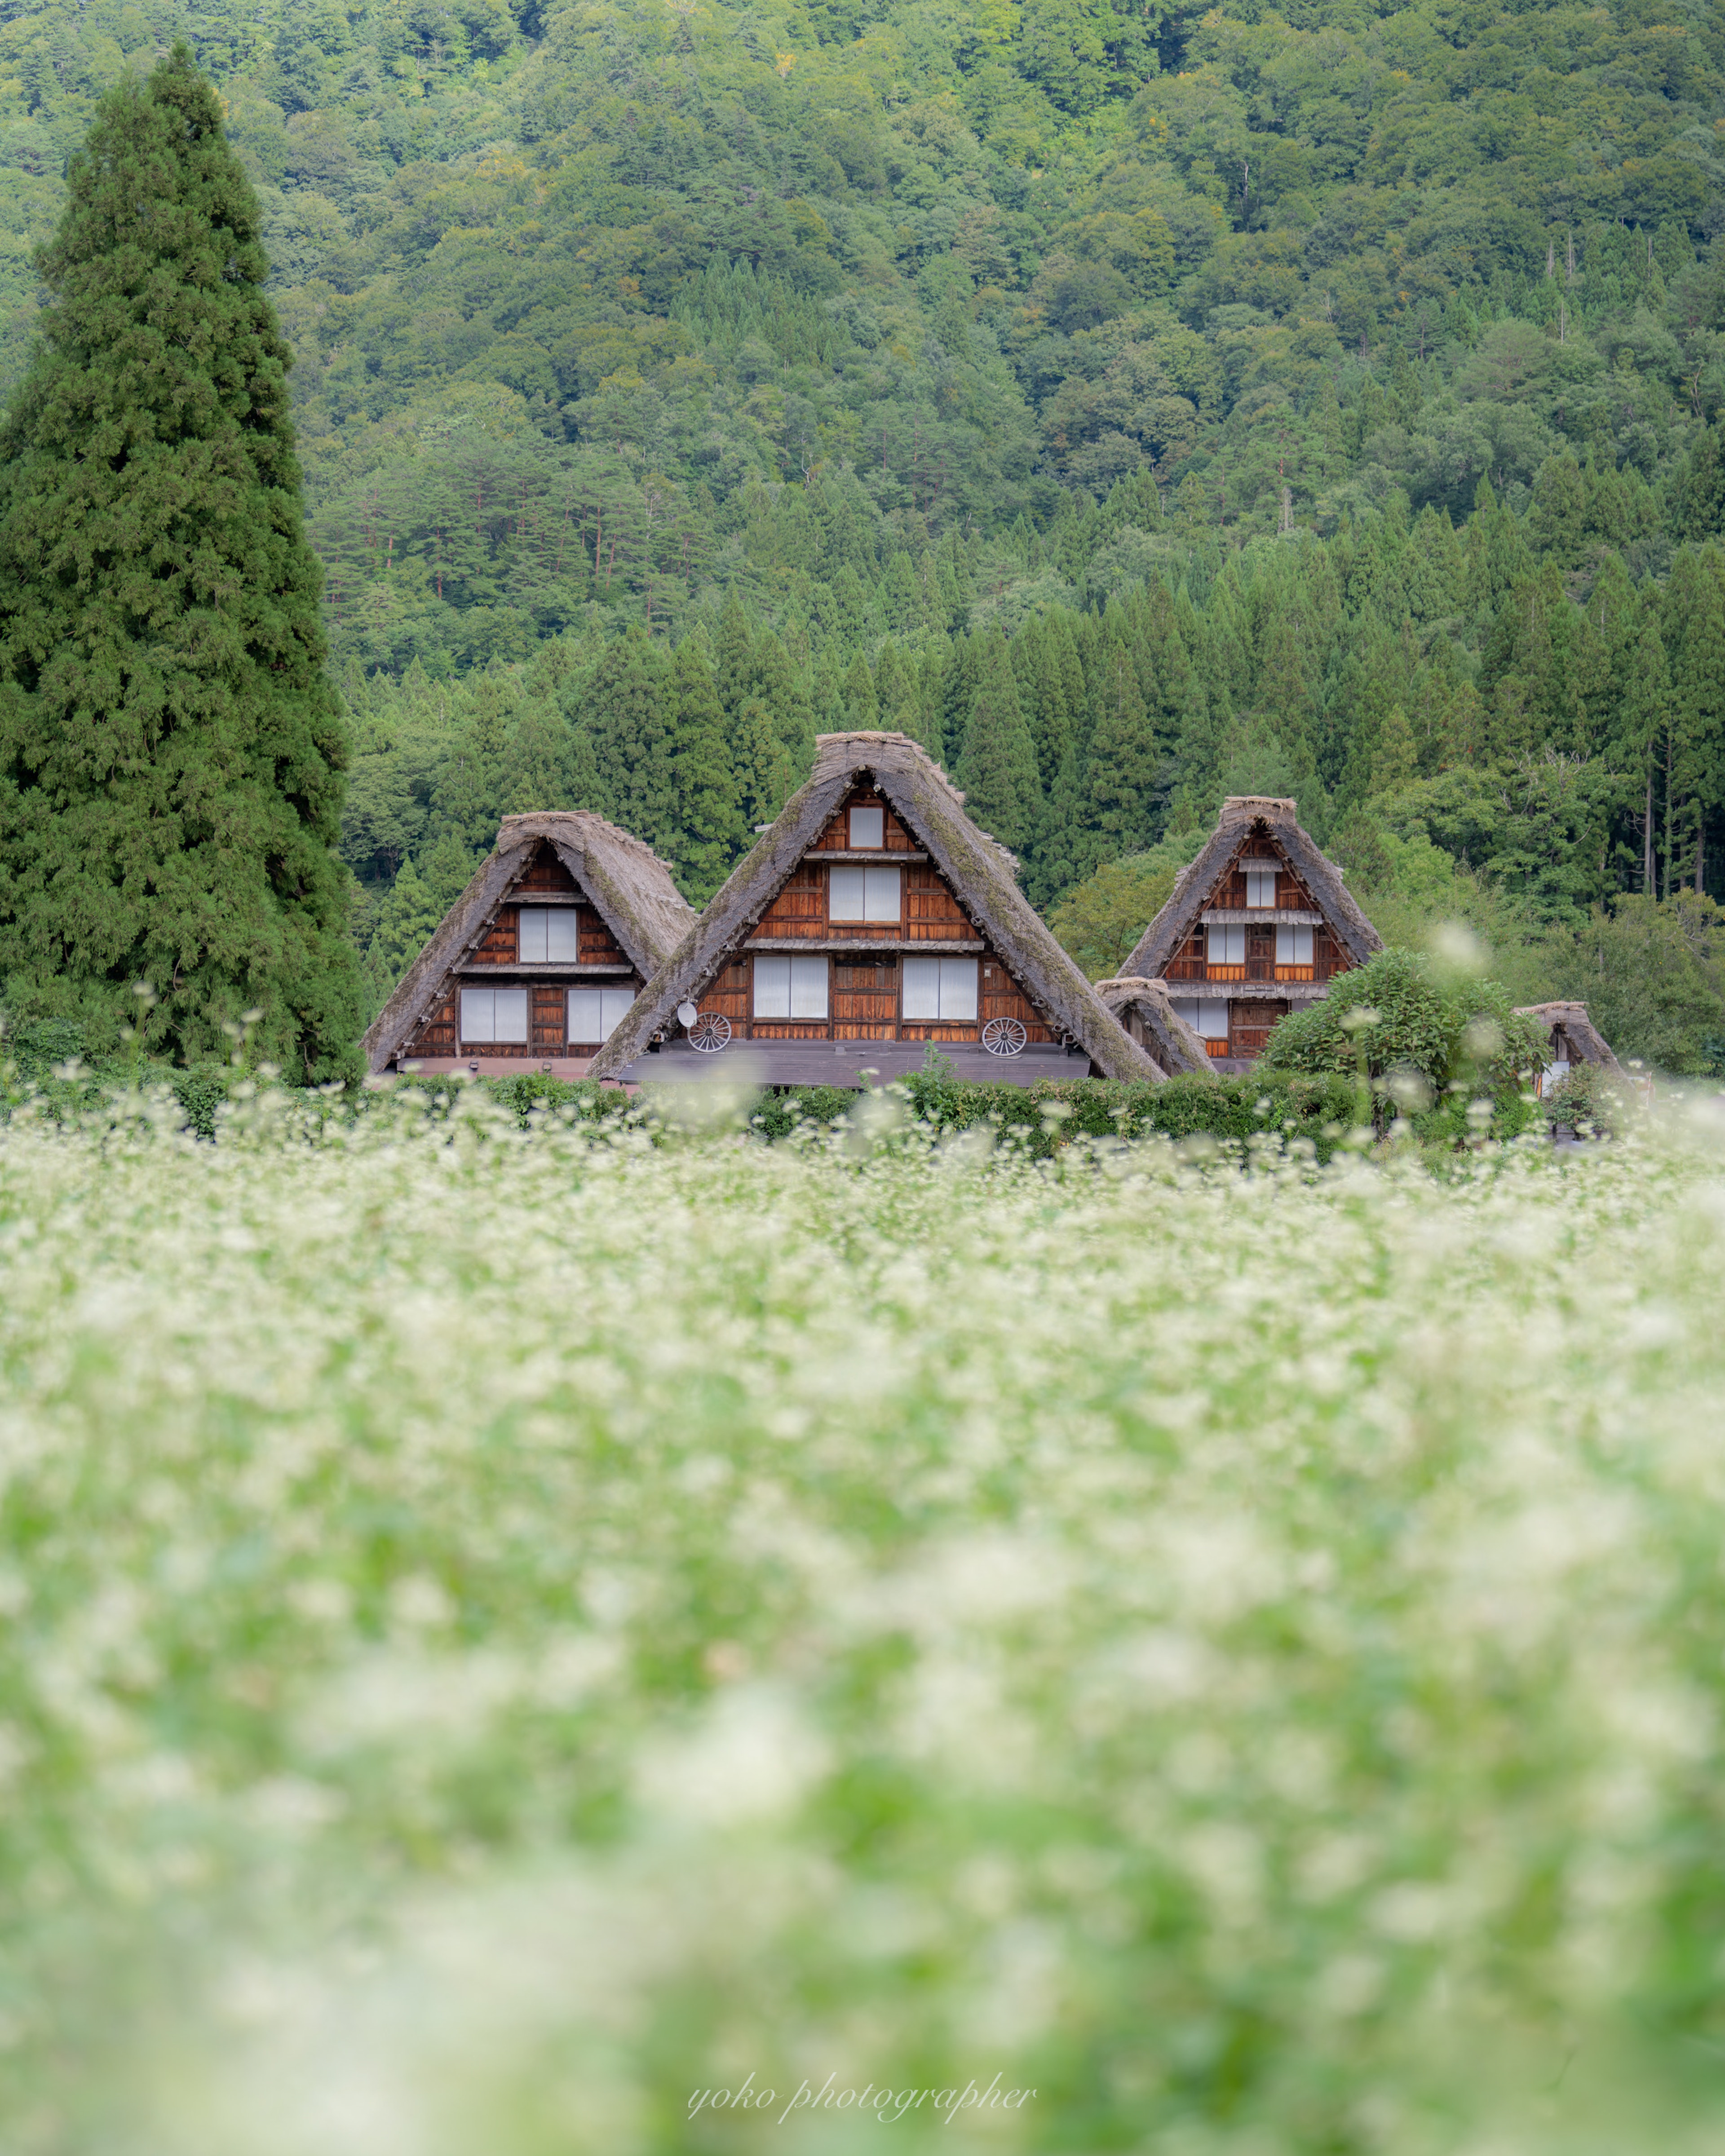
<point>1351,377</point>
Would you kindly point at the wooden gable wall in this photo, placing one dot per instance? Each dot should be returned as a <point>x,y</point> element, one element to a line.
<point>864,991</point>
<point>1191,960</point>
<point>545,881</point>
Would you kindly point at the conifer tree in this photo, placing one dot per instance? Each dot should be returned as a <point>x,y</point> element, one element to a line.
<point>862,710</point>
<point>407,915</point>
<point>1062,700</point>
<point>930,697</point>
<point>762,770</point>
<point>1396,763</point>
<point>468,798</point>
<point>996,765</point>
<point>631,731</point>
<point>171,748</point>
<point>539,765</point>
<point>1065,851</point>
<point>733,667</point>
<point>710,828</point>
<point>893,682</point>
<point>959,679</point>
<point>1644,701</point>
<point>774,684</point>
<point>1127,768</point>
<point>1693,753</point>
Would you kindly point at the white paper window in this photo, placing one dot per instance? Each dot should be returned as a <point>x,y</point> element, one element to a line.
<point>551,935</point>
<point>1186,1007</point>
<point>1227,947</point>
<point>790,987</point>
<point>1293,946</point>
<point>860,894</point>
<point>494,1014</point>
<point>868,827</point>
<point>1260,886</point>
<point>595,1014</point>
<point>940,988</point>
<point>1211,1023</point>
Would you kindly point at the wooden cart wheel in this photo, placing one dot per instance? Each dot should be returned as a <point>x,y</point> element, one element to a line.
<point>710,1032</point>
<point>1004,1036</point>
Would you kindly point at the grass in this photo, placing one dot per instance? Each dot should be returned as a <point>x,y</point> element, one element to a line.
<point>508,1629</point>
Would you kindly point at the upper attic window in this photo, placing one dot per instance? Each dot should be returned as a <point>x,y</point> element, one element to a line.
<point>551,935</point>
<point>868,828</point>
<point>1260,886</point>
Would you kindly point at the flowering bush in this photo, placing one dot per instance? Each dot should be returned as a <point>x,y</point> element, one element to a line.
<point>513,1630</point>
<point>1428,1040</point>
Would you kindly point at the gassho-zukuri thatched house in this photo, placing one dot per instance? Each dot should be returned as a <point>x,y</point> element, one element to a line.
<point>1147,1011</point>
<point>871,918</point>
<point>540,958</point>
<point>1257,926</point>
<point>1573,1039</point>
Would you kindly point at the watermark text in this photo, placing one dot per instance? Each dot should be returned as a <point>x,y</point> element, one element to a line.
<point>886,2104</point>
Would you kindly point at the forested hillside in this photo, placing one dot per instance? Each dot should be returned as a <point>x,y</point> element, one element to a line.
<point>1133,404</point>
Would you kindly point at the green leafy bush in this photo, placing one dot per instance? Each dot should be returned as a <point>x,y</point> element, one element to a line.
<point>1590,1101</point>
<point>1424,1043</point>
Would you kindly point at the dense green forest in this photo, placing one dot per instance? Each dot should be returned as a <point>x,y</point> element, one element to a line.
<point>1136,405</point>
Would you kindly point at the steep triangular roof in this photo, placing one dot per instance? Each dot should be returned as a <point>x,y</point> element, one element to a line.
<point>1589,1044</point>
<point>1243,816</point>
<point>978,868</point>
<point>630,889</point>
<point>1167,1037</point>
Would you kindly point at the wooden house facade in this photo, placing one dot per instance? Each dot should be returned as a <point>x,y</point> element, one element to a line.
<point>1258,925</point>
<point>539,960</point>
<point>872,918</point>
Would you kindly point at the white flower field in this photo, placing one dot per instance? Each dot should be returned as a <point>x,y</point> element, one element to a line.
<point>513,1637</point>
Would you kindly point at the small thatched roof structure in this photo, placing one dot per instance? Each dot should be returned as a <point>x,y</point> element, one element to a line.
<point>1572,1033</point>
<point>1145,1010</point>
<point>629,887</point>
<point>980,870</point>
<point>1244,815</point>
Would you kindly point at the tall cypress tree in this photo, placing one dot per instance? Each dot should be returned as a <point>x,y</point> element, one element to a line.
<point>171,748</point>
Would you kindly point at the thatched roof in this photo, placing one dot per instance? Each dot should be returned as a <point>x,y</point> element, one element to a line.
<point>979,869</point>
<point>1585,1039</point>
<point>1242,815</point>
<point>1167,1038</point>
<point>629,886</point>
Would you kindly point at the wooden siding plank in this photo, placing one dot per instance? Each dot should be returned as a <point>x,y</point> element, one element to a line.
<point>800,906</point>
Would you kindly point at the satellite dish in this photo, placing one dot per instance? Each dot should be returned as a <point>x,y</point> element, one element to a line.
<point>686,1015</point>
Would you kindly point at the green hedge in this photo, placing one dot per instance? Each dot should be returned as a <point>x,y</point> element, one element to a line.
<point>1321,1109</point>
<point>41,1064</point>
